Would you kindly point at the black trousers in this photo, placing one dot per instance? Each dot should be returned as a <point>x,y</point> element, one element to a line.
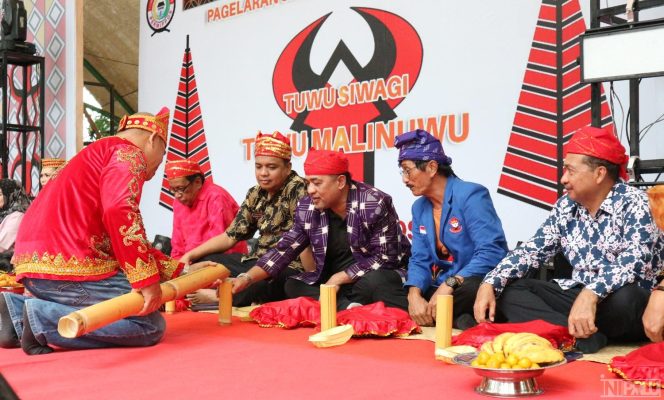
<point>463,297</point>
<point>259,292</point>
<point>618,315</point>
<point>380,285</point>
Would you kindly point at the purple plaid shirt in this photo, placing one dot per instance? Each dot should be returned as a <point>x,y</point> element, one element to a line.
<point>374,235</point>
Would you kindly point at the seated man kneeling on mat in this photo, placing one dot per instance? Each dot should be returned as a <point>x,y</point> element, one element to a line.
<point>82,241</point>
<point>604,228</point>
<point>267,209</point>
<point>457,235</point>
<point>355,235</point>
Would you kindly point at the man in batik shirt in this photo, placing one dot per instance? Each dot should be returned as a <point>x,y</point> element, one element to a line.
<point>268,209</point>
<point>354,232</point>
<point>605,230</point>
<point>201,211</point>
<point>82,241</point>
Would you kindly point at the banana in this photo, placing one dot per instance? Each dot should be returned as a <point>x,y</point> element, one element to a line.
<point>486,346</point>
<point>499,341</point>
<point>526,349</point>
<point>520,338</point>
<point>546,356</point>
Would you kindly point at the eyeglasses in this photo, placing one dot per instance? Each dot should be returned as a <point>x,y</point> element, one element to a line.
<point>406,172</point>
<point>180,190</point>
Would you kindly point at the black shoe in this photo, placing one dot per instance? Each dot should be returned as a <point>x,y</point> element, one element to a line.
<point>29,343</point>
<point>8,336</point>
<point>465,321</point>
<point>596,342</point>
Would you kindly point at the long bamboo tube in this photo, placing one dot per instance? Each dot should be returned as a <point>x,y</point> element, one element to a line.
<point>101,314</point>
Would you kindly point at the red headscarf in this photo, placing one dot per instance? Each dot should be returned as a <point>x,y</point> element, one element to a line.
<point>180,168</point>
<point>274,145</point>
<point>599,143</point>
<point>325,162</point>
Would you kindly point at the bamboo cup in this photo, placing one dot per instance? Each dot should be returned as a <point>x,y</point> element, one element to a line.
<point>328,307</point>
<point>225,303</point>
<point>101,314</point>
<point>444,321</point>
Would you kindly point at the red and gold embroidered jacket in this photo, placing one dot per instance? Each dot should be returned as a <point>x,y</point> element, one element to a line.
<point>85,225</point>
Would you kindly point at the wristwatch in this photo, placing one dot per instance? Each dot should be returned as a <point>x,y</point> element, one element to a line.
<point>452,282</point>
<point>246,276</point>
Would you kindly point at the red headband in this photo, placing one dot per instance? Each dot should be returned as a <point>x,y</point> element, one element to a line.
<point>599,143</point>
<point>180,168</point>
<point>152,123</point>
<point>325,162</point>
<point>274,145</point>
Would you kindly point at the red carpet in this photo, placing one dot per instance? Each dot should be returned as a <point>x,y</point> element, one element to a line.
<point>199,359</point>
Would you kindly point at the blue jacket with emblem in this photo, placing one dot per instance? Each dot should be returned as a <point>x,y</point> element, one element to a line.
<point>469,228</point>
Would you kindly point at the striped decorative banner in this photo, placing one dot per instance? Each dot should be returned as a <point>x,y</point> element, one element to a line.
<point>187,139</point>
<point>553,104</point>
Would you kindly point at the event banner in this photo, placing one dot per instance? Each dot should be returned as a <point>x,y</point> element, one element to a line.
<point>498,83</point>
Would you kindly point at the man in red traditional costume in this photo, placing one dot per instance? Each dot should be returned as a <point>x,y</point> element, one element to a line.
<point>91,245</point>
<point>202,210</point>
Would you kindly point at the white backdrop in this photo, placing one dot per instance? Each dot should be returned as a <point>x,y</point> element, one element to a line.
<point>474,58</point>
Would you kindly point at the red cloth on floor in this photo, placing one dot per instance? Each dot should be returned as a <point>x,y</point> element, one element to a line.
<point>645,365</point>
<point>558,335</point>
<point>291,313</point>
<point>377,320</point>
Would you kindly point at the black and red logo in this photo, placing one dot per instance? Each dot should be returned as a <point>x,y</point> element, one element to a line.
<point>397,52</point>
<point>159,14</point>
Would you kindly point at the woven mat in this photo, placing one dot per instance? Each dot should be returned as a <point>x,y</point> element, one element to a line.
<point>240,312</point>
<point>428,333</point>
<point>605,355</point>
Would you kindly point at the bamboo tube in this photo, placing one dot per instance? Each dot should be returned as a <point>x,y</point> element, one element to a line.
<point>169,307</point>
<point>444,321</point>
<point>328,307</point>
<point>225,303</point>
<point>101,314</point>
<point>656,197</point>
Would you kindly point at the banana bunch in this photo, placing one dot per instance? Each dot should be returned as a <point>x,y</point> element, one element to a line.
<point>523,345</point>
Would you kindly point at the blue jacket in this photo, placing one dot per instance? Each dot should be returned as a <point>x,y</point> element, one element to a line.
<point>470,229</point>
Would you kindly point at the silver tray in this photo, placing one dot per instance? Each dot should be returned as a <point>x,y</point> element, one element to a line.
<point>506,382</point>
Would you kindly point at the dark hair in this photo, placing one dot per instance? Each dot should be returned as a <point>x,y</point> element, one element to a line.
<point>612,170</point>
<point>443,170</point>
<point>193,177</point>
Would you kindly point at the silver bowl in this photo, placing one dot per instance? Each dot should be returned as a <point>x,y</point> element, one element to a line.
<point>506,382</point>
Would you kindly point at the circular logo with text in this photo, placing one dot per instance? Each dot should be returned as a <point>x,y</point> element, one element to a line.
<point>159,14</point>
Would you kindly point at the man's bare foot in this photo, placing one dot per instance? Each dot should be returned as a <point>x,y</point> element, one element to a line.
<point>202,296</point>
